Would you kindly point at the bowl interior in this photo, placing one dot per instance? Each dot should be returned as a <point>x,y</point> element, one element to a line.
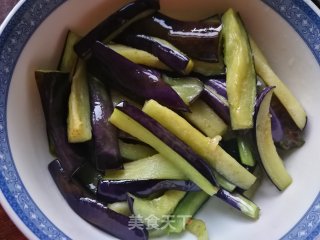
<point>289,56</point>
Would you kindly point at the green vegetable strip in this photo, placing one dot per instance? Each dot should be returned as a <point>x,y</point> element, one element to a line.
<point>198,228</point>
<point>224,183</point>
<point>205,119</point>
<point>127,124</point>
<point>185,210</point>
<point>69,57</point>
<point>208,68</point>
<point>252,190</point>
<point>120,207</point>
<point>154,167</point>
<point>188,88</point>
<point>241,76</point>
<point>159,208</point>
<point>285,96</point>
<point>133,152</point>
<point>245,152</point>
<point>204,146</point>
<point>138,56</point>
<point>270,159</point>
<point>79,123</point>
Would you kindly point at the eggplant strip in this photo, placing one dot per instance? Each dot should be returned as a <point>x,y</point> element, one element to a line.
<point>115,24</point>
<point>92,210</point>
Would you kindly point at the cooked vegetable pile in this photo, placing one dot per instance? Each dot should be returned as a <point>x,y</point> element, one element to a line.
<point>149,117</point>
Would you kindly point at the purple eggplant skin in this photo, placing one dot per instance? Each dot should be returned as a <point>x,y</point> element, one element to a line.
<point>109,28</point>
<point>99,71</point>
<point>276,126</point>
<point>138,80</point>
<point>105,152</point>
<point>217,102</point>
<point>227,197</point>
<point>218,83</point>
<point>54,88</point>
<point>168,138</point>
<point>215,95</point>
<point>116,190</point>
<point>174,59</point>
<point>239,202</point>
<point>260,98</point>
<point>130,201</point>
<point>92,210</point>
<point>285,133</point>
<point>294,134</point>
<point>199,40</point>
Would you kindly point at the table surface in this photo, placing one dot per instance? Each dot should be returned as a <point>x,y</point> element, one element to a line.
<point>8,230</point>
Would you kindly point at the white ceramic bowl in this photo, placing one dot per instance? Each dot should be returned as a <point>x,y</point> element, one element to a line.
<point>288,31</point>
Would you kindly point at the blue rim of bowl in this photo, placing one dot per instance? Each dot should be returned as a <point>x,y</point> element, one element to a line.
<point>307,24</point>
<point>22,25</point>
<point>12,41</point>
